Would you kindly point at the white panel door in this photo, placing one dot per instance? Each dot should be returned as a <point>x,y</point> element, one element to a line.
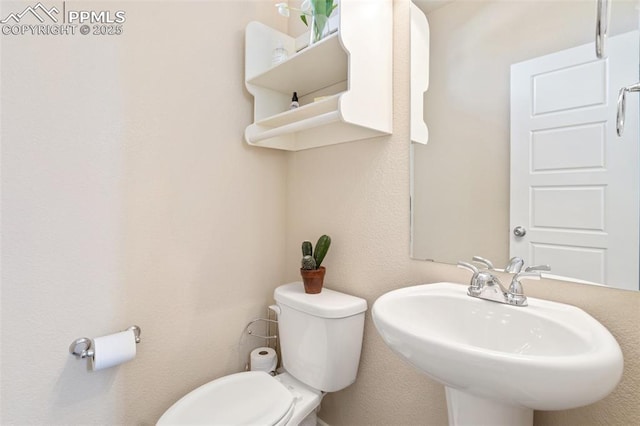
<point>574,182</point>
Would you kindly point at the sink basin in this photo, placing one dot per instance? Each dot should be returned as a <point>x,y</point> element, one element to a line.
<point>500,362</point>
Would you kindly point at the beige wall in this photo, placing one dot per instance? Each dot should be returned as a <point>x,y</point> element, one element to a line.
<point>473,44</point>
<point>128,196</point>
<point>360,199</point>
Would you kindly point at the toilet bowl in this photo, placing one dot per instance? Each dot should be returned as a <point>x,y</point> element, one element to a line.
<point>321,339</point>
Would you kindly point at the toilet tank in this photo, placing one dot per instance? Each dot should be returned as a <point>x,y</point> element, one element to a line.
<point>320,335</point>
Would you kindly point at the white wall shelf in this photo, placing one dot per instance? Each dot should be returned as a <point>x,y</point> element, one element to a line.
<point>351,70</point>
<point>309,70</point>
<point>314,109</point>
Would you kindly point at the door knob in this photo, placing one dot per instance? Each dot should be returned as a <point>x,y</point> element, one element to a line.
<point>519,231</point>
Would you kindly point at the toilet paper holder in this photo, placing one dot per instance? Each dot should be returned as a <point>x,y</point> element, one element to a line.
<point>248,331</point>
<point>82,347</point>
<point>270,309</point>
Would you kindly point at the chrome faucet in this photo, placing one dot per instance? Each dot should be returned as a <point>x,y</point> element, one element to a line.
<point>485,285</point>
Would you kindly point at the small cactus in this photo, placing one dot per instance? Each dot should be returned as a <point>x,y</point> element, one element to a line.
<point>307,248</point>
<point>311,259</point>
<point>308,263</point>
<point>322,247</point>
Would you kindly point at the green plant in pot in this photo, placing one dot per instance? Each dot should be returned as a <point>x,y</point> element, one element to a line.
<point>311,270</point>
<point>315,15</point>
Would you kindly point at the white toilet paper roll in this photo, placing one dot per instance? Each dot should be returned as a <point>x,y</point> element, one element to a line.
<point>263,359</point>
<point>113,349</point>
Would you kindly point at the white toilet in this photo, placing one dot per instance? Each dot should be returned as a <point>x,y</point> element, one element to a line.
<point>320,337</point>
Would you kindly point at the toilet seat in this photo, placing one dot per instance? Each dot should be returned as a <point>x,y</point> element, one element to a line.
<point>248,398</point>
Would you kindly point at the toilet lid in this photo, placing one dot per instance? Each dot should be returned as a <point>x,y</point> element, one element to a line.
<point>248,398</point>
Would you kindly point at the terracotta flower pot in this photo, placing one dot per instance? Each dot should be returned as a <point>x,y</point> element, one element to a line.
<point>313,279</point>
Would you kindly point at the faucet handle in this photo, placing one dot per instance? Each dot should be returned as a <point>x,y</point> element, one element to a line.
<point>538,268</point>
<point>515,265</point>
<point>474,286</point>
<point>468,266</point>
<point>484,261</point>
<point>516,292</point>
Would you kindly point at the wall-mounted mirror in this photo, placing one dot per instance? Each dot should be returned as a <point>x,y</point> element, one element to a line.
<point>521,116</point>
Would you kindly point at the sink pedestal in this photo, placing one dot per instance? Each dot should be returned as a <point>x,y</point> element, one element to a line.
<point>466,409</point>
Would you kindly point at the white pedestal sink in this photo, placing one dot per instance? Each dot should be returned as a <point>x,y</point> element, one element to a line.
<point>500,362</point>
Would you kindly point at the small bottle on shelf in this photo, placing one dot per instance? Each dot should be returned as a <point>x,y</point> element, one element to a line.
<point>294,101</point>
